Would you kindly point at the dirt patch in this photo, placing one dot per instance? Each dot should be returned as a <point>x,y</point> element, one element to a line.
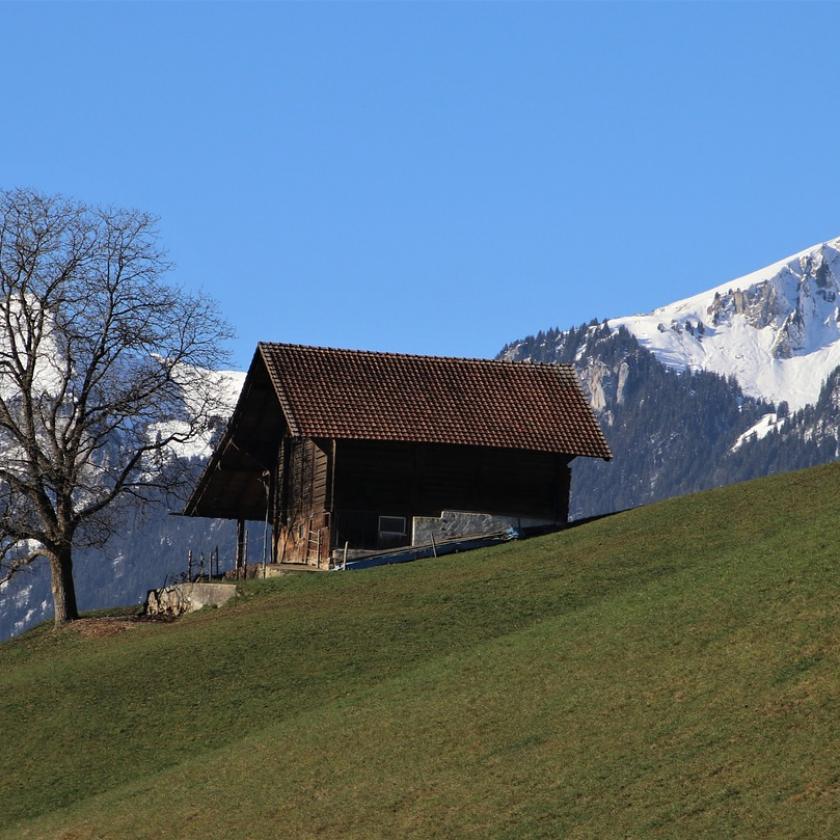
<point>94,628</point>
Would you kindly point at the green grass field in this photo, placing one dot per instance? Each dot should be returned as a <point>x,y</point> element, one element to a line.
<point>672,671</point>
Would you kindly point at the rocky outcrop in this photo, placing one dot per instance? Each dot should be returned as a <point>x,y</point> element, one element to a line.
<point>761,304</point>
<point>180,598</point>
<point>671,431</point>
<point>452,524</point>
<point>799,303</point>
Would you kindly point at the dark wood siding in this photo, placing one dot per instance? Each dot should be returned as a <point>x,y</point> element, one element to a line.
<point>321,503</point>
<point>302,517</point>
<point>375,479</point>
<point>309,478</point>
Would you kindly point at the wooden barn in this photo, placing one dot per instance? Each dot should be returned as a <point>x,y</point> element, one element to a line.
<point>346,448</point>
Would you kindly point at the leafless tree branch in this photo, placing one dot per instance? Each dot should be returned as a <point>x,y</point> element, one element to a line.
<point>105,370</point>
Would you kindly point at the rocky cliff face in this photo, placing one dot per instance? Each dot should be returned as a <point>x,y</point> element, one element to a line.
<point>777,330</point>
<point>799,303</point>
<point>671,431</point>
<point>677,431</point>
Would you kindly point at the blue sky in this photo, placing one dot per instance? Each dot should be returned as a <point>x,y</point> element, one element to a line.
<point>435,177</point>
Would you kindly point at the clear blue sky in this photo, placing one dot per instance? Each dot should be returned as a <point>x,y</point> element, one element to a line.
<point>435,178</point>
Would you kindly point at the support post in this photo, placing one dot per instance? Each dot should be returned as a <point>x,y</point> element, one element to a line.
<point>268,483</point>
<point>240,548</point>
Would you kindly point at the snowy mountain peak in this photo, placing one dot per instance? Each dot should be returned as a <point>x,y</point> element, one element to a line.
<point>776,330</point>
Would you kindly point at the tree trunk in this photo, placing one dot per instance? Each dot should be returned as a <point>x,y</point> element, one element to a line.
<point>63,588</point>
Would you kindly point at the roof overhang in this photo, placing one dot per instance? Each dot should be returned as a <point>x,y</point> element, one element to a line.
<point>235,483</point>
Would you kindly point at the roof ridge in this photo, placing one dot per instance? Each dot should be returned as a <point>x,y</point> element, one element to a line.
<point>426,357</point>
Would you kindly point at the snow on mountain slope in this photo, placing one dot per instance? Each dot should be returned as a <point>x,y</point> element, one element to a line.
<point>230,384</point>
<point>777,330</point>
<point>769,422</point>
<point>144,551</point>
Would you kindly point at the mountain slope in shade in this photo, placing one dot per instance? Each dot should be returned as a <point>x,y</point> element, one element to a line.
<point>671,432</point>
<point>777,330</point>
<point>144,550</point>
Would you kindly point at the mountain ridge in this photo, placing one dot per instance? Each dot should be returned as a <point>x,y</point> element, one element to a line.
<point>776,329</point>
<point>737,382</point>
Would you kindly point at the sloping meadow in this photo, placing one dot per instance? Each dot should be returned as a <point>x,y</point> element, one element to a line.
<point>670,671</point>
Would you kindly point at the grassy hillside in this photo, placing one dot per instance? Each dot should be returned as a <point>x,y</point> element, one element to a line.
<point>668,672</point>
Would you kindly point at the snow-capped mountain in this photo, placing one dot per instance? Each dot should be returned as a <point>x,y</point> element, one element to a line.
<point>777,330</point>
<point>734,383</point>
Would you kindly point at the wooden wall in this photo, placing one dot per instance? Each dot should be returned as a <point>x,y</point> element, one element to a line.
<point>301,517</point>
<point>379,478</point>
<point>318,505</point>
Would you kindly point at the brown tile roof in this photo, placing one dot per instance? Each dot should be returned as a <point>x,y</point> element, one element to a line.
<point>432,399</point>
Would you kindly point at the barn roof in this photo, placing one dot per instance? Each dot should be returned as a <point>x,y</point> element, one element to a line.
<point>320,392</point>
<point>358,394</point>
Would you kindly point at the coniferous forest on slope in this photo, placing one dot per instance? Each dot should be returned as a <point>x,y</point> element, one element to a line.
<point>674,432</point>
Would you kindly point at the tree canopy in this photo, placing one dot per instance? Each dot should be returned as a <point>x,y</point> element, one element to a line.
<point>106,369</point>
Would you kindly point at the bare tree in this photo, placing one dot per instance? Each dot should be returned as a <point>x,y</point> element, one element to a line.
<point>105,370</point>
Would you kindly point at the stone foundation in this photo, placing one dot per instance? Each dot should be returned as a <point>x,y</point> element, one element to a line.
<point>182,598</point>
<point>452,524</point>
